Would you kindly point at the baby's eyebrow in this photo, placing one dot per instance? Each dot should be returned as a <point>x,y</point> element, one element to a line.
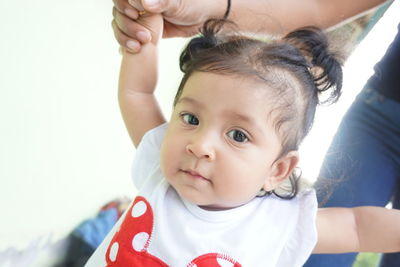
<point>239,116</point>
<point>190,101</point>
<point>228,114</point>
<point>244,118</point>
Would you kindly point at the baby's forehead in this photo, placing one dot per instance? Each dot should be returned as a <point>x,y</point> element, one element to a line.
<point>240,103</point>
<point>232,85</point>
<point>271,90</point>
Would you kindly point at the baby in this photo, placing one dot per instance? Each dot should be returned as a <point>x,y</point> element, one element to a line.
<point>217,184</point>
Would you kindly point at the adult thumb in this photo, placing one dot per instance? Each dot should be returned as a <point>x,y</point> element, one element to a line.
<point>157,6</point>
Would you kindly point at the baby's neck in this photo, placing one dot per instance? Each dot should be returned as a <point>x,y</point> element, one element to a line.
<point>212,208</point>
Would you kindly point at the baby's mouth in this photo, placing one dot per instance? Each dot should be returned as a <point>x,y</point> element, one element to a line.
<point>195,174</point>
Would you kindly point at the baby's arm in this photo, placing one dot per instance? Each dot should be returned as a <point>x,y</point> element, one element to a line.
<point>137,82</point>
<point>360,229</point>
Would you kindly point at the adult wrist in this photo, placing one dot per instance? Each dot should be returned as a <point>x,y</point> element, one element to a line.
<point>218,8</point>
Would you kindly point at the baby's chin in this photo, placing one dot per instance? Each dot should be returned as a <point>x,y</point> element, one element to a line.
<point>215,208</point>
<point>198,200</point>
<point>221,207</point>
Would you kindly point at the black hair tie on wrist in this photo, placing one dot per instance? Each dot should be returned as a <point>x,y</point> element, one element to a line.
<point>228,10</point>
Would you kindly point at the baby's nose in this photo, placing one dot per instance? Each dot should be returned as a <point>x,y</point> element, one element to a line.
<point>202,147</point>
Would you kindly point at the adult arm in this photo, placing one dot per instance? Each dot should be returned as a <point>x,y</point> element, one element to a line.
<point>360,229</point>
<point>283,16</point>
<point>183,18</point>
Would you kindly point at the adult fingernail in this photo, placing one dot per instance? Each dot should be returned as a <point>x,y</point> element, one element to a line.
<point>143,36</point>
<point>133,45</point>
<point>152,3</point>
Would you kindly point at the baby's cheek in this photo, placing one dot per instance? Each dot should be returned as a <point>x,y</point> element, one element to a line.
<point>232,190</point>
<point>163,164</point>
<point>163,159</point>
<point>168,161</point>
<point>243,186</point>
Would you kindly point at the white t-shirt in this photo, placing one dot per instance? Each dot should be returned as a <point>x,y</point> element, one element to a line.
<point>161,229</point>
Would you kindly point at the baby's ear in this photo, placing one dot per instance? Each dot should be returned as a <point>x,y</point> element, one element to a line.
<point>281,170</point>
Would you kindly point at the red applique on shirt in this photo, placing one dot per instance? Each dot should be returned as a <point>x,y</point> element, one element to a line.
<point>129,245</point>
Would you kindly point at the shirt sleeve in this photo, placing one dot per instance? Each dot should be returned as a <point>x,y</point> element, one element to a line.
<point>304,235</point>
<point>147,156</point>
<point>146,159</point>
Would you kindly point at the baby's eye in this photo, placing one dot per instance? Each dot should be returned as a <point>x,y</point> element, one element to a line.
<point>238,136</point>
<point>190,119</point>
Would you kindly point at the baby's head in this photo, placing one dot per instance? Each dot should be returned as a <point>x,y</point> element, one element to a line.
<point>241,111</point>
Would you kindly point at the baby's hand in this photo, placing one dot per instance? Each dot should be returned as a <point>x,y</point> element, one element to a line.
<point>152,22</point>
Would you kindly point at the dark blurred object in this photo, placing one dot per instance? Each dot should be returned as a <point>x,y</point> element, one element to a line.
<point>85,238</point>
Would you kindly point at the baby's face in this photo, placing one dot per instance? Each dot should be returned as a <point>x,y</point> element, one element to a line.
<point>220,146</point>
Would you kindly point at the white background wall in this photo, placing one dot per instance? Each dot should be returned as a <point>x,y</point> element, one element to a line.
<point>64,151</point>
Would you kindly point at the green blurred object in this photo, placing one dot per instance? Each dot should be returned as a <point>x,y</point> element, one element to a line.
<point>367,260</point>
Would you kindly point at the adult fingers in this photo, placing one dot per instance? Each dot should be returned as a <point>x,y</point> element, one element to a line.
<point>125,8</point>
<point>125,41</point>
<point>159,6</point>
<point>131,28</point>
<point>136,4</point>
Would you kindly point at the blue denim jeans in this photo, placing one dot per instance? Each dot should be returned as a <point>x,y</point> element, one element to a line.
<point>362,166</point>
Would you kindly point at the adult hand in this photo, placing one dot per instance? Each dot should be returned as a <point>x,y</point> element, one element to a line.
<point>182,18</point>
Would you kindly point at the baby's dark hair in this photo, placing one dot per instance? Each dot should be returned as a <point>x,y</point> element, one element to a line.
<point>299,68</point>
